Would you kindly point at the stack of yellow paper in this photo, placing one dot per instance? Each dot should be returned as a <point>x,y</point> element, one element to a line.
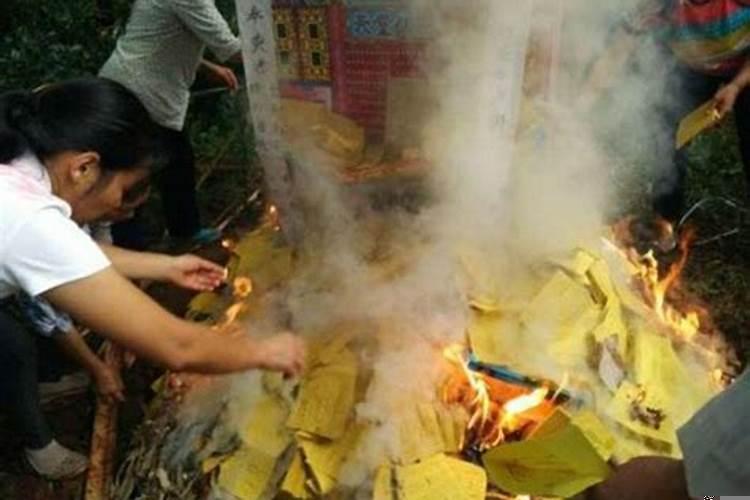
<point>438,477</point>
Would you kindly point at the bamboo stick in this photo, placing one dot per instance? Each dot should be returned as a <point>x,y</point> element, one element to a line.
<point>103,437</point>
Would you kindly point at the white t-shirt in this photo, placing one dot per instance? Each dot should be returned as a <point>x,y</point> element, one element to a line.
<point>41,248</point>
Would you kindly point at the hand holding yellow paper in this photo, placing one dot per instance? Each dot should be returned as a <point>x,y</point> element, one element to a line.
<point>696,122</point>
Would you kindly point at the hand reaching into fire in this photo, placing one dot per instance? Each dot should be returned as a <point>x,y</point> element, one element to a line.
<point>194,273</point>
<point>284,352</point>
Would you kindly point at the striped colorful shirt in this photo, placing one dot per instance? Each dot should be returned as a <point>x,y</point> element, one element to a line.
<point>713,38</point>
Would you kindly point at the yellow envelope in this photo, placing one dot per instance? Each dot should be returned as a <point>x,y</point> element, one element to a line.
<point>326,398</point>
<point>438,477</point>
<point>560,464</point>
<point>696,122</point>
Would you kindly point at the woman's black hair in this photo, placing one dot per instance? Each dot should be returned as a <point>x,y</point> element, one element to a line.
<point>90,114</point>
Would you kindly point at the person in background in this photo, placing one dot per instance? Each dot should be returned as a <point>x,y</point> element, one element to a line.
<point>157,58</point>
<point>715,444</point>
<point>707,43</point>
<point>75,153</point>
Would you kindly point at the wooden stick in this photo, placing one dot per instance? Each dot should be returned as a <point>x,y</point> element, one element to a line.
<point>103,437</point>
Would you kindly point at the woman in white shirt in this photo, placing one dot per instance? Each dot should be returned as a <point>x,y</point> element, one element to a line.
<point>70,154</point>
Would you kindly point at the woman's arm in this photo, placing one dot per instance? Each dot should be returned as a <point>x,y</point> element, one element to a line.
<point>187,271</point>
<point>108,381</point>
<point>608,67</point>
<point>726,97</point>
<point>111,305</point>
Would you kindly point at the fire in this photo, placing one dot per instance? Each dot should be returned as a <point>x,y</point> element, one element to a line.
<point>242,287</point>
<point>521,404</point>
<point>657,283</point>
<point>496,409</point>
<point>272,215</point>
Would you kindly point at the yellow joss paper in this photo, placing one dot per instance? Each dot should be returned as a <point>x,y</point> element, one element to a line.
<point>664,377</point>
<point>561,301</point>
<point>262,258</point>
<point>382,488</point>
<point>247,473</point>
<point>481,284</point>
<point>326,398</point>
<point>579,263</point>
<point>696,122</point>
<point>438,477</point>
<point>422,433</point>
<point>296,482</point>
<point>632,408</point>
<point>613,325</point>
<point>486,338</point>
<point>601,280</point>
<point>592,427</point>
<point>325,458</point>
<point>205,303</point>
<point>265,429</point>
<point>562,463</point>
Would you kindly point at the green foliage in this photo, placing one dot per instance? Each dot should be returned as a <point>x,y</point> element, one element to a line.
<point>44,41</point>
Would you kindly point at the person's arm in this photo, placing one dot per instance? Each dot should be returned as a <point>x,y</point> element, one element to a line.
<point>108,303</point>
<point>646,478</point>
<point>187,271</point>
<point>205,21</point>
<point>727,95</point>
<point>108,381</point>
<point>222,74</point>
<point>608,67</point>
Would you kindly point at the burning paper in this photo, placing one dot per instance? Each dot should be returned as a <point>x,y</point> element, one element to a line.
<point>561,463</point>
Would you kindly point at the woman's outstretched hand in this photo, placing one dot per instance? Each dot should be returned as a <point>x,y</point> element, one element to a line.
<point>194,273</point>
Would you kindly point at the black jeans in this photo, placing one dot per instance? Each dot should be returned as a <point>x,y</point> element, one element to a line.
<point>686,90</point>
<point>176,185</point>
<point>19,391</point>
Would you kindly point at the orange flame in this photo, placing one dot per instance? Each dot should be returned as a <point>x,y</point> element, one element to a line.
<point>656,288</point>
<point>495,409</point>
<point>272,216</point>
<point>242,287</point>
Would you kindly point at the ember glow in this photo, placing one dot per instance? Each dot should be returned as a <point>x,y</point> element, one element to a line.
<point>272,215</point>
<point>242,287</point>
<point>496,409</point>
